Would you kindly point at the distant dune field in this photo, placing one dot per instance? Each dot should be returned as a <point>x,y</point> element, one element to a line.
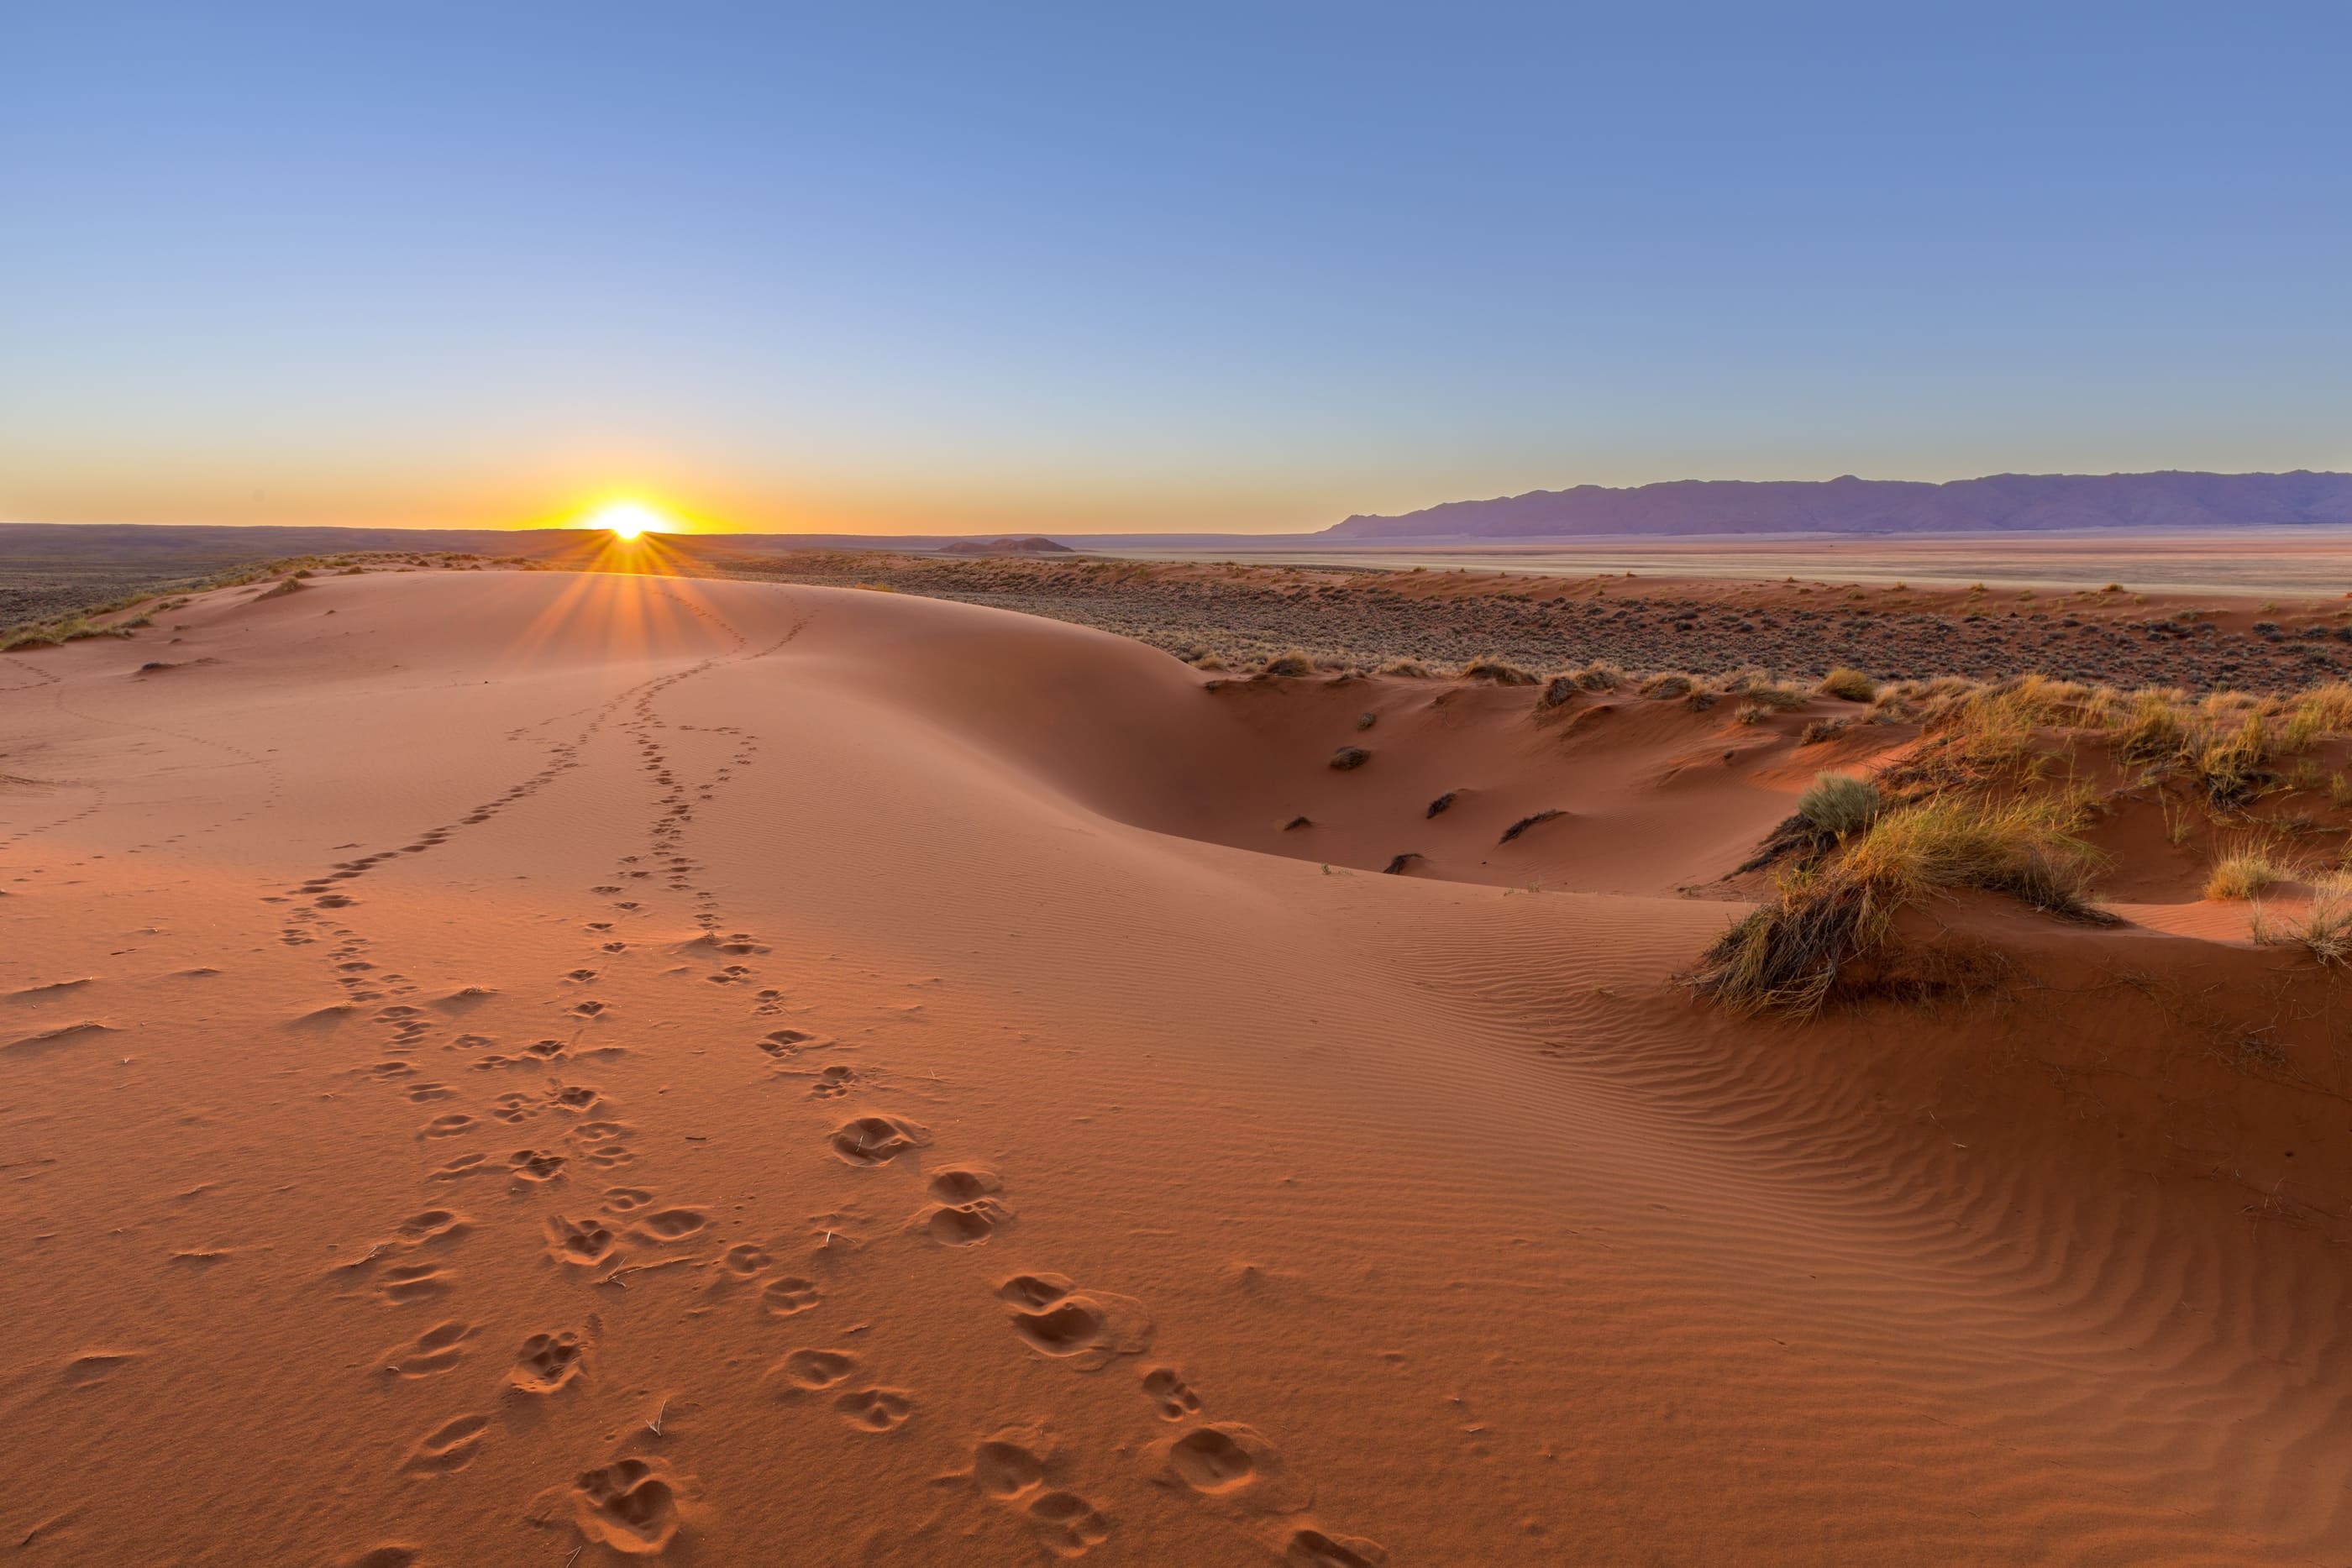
<point>505,1067</point>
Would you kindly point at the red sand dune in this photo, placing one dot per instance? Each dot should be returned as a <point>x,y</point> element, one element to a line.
<point>498,1067</point>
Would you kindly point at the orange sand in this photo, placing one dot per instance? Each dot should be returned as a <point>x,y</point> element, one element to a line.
<point>498,1067</point>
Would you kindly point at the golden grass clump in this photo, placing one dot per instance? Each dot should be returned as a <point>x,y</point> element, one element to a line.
<point>2242,872</point>
<point>1849,685</point>
<point>1838,805</point>
<point>1500,672</point>
<point>1295,662</point>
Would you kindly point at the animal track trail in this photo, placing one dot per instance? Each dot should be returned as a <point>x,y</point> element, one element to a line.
<point>1171,1395</point>
<point>876,1139</point>
<point>806,1372</point>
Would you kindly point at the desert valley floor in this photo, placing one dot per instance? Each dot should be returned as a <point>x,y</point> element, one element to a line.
<point>527,1068</point>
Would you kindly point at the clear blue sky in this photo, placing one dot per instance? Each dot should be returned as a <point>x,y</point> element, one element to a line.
<point>1237,267</point>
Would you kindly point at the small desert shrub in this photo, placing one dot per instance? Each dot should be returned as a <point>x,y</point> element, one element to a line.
<point>1849,685</point>
<point>1498,672</point>
<point>1786,956</point>
<point>1671,685</point>
<point>1839,804</point>
<point>1559,691</point>
<point>1294,662</point>
<point>2322,710</point>
<point>1823,730</point>
<point>1600,676</point>
<point>1751,713</point>
<point>2231,763</point>
<point>1778,696</point>
<point>2323,928</point>
<point>2243,872</point>
<point>1349,757</point>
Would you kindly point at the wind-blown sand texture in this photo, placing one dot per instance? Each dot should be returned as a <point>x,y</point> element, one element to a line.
<point>527,1068</point>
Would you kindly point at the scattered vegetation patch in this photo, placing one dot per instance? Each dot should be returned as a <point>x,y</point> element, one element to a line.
<point>2242,872</point>
<point>1350,758</point>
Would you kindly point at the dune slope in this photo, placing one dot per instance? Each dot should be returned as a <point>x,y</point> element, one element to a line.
<point>501,1066</point>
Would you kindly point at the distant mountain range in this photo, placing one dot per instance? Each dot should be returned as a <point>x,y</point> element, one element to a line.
<point>2016,503</point>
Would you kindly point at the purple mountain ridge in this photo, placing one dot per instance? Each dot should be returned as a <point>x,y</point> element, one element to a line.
<point>2018,503</point>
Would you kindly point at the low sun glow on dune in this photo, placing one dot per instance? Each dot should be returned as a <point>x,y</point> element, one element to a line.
<point>627,519</point>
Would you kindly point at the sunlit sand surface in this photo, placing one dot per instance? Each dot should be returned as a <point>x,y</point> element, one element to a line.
<point>526,1068</point>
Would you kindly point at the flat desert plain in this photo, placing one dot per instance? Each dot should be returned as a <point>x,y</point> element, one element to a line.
<point>527,1068</point>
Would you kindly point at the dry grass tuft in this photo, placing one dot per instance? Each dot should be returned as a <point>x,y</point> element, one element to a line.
<point>2322,927</point>
<point>1849,685</point>
<point>1838,805</point>
<point>1498,672</point>
<point>2244,870</point>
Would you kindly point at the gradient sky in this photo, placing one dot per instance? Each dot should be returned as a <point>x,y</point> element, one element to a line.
<point>975,266</point>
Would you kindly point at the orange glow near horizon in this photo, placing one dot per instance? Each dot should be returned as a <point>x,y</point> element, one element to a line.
<point>627,519</point>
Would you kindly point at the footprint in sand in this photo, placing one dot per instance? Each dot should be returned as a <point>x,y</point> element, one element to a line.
<point>1068,1524</point>
<point>448,1126</point>
<point>1085,1331</point>
<point>626,1199</point>
<point>811,1371</point>
<point>437,1350</point>
<point>514,1107</point>
<point>875,1409</point>
<point>433,1224</point>
<point>967,1212</point>
<point>1014,1467</point>
<point>535,1166</point>
<point>447,1448</point>
<point>547,1361</point>
<point>1170,1394</point>
<point>1226,1464</point>
<point>1310,1548</point>
<point>424,1094</point>
<point>96,1366</point>
<point>629,1505</point>
<point>834,1082</point>
<point>790,1296</point>
<point>669,1225</point>
<point>742,1262</point>
<point>404,1284</point>
<point>876,1140</point>
<point>576,1098</point>
<point>584,1243</point>
<point>462,1166</point>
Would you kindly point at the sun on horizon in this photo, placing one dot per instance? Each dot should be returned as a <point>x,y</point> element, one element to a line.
<point>629,519</point>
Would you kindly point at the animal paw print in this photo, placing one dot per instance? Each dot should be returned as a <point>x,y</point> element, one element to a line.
<point>875,1409</point>
<point>585,1243</point>
<point>831,1083</point>
<point>630,1506</point>
<point>1170,1394</point>
<point>967,1211</point>
<point>1016,1467</point>
<point>876,1140</point>
<point>1085,1332</point>
<point>535,1166</point>
<point>547,1361</point>
<point>812,1371</point>
<point>790,1295</point>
